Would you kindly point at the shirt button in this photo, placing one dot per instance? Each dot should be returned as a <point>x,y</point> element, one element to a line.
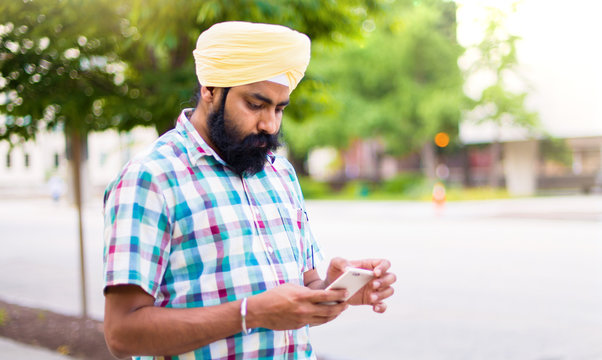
<point>270,250</point>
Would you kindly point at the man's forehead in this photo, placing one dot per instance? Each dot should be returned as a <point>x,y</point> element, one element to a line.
<point>265,90</point>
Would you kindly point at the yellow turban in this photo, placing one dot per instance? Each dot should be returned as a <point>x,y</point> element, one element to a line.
<point>236,53</point>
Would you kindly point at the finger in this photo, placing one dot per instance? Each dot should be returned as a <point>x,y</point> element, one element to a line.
<point>319,320</point>
<point>376,284</point>
<point>379,266</point>
<point>339,263</point>
<point>328,319</point>
<point>363,263</point>
<point>383,282</point>
<point>380,308</point>
<point>384,294</point>
<point>327,314</point>
<point>374,297</point>
<point>330,311</point>
<point>382,267</point>
<point>320,296</point>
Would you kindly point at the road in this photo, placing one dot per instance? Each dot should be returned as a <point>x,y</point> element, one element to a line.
<point>504,279</point>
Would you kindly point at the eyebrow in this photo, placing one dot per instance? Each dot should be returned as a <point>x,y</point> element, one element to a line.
<point>269,101</point>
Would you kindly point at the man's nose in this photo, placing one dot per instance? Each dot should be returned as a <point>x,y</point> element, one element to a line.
<point>269,122</point>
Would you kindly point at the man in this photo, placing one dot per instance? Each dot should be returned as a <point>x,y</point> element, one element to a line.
<point>208,251</point>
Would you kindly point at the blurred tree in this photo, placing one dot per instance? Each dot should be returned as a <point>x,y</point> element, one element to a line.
<point>495,58</point>
<point>58,69</point>
<point>58,66</point>
<point>400,84</point>
<point>161,76</point>
<point>90,65</point>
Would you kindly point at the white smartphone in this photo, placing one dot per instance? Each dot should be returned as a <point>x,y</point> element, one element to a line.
<point>352,280</point>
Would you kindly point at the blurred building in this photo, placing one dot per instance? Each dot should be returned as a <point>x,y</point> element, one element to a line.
<point>26,169</point>
<point>535,166</point>
<point>528,166</point>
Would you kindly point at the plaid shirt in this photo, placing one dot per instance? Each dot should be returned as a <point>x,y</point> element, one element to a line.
<point>190,232</point>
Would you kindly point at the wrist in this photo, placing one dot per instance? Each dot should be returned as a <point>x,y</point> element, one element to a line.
<point>243,316</point>
<point>253,317</point>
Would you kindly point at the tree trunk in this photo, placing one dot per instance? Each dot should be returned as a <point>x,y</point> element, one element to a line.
<point>76,143</point>
<point>378,155</point>
<point>467,176</point>
<point>494,170</point>
<point>428,160</point>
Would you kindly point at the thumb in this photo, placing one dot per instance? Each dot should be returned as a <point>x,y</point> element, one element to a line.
<point>339,264</point>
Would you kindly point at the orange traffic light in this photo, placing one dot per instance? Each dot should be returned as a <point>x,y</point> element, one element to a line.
<point>442,139</point>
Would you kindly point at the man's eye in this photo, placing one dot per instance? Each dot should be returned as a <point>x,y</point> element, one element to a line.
<point>254,106</point>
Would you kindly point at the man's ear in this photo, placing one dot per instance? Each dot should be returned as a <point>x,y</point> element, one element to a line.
<point>208,94</point>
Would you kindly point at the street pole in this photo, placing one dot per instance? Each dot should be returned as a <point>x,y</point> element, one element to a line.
<point>76,160</point>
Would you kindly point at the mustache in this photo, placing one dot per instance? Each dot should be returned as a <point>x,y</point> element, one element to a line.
<point>261,141</point>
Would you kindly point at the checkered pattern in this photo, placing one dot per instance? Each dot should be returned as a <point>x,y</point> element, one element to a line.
<point>190,232</point>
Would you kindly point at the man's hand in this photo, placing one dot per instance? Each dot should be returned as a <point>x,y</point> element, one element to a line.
<point>135,326</point>
<point>291,306</point>
<point>376,290</point>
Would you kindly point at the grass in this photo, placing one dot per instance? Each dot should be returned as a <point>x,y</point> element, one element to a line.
<point>483,193</point>
<point>408,187</point>
<point>3,317</point>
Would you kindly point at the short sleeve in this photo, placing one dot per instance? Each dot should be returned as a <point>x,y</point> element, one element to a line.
<point>137,231</point>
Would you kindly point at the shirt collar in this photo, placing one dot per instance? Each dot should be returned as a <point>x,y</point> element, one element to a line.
<point>197,147</point>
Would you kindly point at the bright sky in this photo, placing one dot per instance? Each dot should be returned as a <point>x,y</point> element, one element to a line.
<point>560,55</point>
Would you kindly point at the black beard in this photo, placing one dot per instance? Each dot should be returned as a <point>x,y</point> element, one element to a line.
<point>247,156</point>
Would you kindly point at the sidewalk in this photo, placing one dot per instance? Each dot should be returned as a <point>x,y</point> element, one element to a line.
<point>499,280</point>
<point>13,350</point>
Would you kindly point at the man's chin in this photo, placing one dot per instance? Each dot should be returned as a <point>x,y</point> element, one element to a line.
<point>250,165</point>
<point>251,171</point>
